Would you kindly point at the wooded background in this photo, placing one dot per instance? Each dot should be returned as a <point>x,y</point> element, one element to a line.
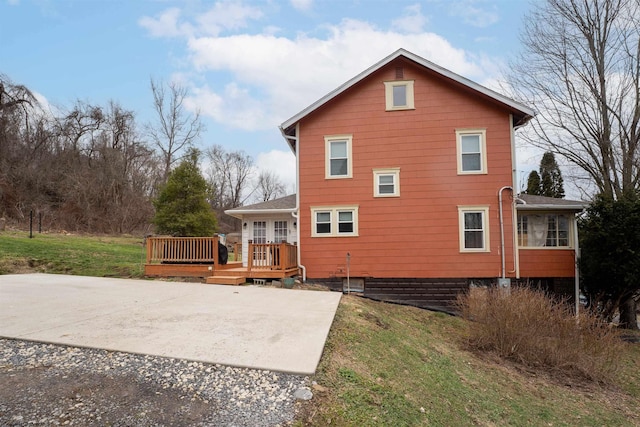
<point>94,168</point>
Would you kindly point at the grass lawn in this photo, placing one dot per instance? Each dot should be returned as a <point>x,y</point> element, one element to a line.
<point>386,365</point>
<point>71,254</point>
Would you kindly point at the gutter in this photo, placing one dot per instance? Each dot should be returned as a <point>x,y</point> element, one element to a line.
<point>296,212</point>
<point>240,212</point>
<point>530,207</point>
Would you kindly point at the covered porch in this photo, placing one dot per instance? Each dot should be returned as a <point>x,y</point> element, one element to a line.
<point>200,257</point>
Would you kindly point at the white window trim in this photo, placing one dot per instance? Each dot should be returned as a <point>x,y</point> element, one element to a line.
<point>483,150</point>
<point>485,227</point>
<point>334,220</point>
<point>388,91</point>
<point>395,172</point>
<point>570,237</point>
<point>327,156</point>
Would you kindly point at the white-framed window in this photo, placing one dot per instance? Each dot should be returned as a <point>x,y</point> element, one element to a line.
<point>471,148</point>
<point>544,230</point>
<point>338,163</point>
<point>386,182</point>
<point>334,221</point>
<point>399,95</point>
<point>259,232</point>
<point>474,228</point>
<point>280,231</point>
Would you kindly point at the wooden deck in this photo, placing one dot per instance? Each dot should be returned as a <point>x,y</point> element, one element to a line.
<point>198,257</point>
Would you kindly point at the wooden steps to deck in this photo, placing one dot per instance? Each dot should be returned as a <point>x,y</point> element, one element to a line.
<point>226,280</point>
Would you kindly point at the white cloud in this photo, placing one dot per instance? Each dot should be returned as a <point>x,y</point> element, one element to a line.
<point>224,15</point>
<point>234,107</point>
<point>282,163</point>
<point>302,4</point>
<point>13,2</point>
<point>284,75</point>
<point>413,21</point>
<point>475,12</point>
<point>256,81</point>
<point>166,24</point>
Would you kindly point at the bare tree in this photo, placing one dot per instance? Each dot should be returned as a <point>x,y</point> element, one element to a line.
<point>229,175</point>
<point>175,129</point>
<point>14,95</point>
<point>269,186</point>
<point>580,69</point>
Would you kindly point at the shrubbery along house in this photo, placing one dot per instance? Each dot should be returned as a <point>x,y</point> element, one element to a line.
<point>405,190</point>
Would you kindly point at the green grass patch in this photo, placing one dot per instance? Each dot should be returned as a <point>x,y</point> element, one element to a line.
<point>386,364</point>
<point>102,256</point>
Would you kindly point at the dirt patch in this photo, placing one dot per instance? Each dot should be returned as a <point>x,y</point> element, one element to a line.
<point>18,266</point>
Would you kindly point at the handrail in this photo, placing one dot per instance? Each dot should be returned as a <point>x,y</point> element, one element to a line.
<point>271,256</point>
<point>182,250</point>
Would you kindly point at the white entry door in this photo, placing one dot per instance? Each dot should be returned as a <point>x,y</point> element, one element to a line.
<point>270,231</point>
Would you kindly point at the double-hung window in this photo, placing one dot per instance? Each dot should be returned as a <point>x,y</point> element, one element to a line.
<point>474,228</point>
<point>386,182</point>
<point>334,221</point>
<point>338,162</point>
<point>471,148</point>
<point>399,95</point>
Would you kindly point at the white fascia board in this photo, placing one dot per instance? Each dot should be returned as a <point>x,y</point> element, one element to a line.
<point>238,213</point>
<point>575,208</point>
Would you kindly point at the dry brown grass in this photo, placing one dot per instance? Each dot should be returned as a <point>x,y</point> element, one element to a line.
<point>530,328</point>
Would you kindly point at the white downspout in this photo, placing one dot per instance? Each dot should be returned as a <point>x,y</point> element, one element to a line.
<point>516,247</point>
<point>296,213</point>
<point>502,260</point>
<point>300,266</point>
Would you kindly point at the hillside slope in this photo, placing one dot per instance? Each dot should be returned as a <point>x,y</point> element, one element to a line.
<point>386,364</point>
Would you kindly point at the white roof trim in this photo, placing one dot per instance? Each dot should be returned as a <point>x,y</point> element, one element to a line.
<point>238,213</point>
<point>532,207</point>
<point>425,63</point>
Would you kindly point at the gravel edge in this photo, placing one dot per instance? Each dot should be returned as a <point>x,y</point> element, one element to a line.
<point>62,385</point>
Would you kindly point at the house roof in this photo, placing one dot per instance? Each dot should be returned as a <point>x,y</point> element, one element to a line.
<point>522,112</point>
<point>531,202</point>
<point>285,204</point>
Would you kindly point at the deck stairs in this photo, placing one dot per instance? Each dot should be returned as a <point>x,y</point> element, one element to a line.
<point>226,280</point>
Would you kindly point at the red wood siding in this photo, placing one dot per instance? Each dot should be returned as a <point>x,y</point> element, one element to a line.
<point>547,263</point>
<point>416,234</point>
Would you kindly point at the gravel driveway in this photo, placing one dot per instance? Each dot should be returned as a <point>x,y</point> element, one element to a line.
<point>46,384</point>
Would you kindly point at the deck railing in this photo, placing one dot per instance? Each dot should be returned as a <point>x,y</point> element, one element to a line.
<point>182,250</point>
<point>202,250</point>
<point>272,256</point>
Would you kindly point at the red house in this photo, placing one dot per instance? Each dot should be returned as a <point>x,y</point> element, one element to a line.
<point>405,189</point>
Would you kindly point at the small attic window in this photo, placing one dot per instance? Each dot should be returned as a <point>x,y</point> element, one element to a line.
<point>399,95</point>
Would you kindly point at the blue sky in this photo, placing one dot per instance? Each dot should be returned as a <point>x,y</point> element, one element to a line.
<point>248,65</point>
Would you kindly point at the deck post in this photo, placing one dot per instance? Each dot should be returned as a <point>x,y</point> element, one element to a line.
<point>149,243</point>
<point>282,255</point>
<point>250,256</point>
<point>236,253</point>
<point>215,252</point>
